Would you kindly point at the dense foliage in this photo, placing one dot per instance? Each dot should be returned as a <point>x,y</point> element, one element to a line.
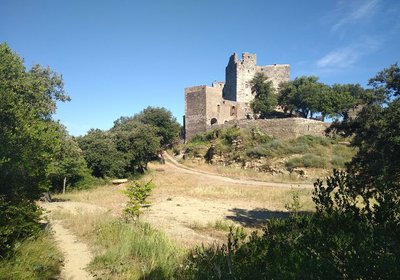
<point>165,123</point>
<point>130,144</point>
<point>68,166</point>
<point>265,99</point>
<point>306,97</point>
<point>29,140</point>
<point>355,231</point>
<point>137,194</point>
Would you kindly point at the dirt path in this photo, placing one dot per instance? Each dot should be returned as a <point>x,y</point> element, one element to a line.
<point>77,255</point>
<point>186,198</point>
<point>172,162</point>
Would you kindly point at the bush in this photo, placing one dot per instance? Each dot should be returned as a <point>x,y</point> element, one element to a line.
<point>308,160</point>
<point>206,137</point>
<point>137,195</point>
<point>338,162</point>
<point>18,220</point>
<point>258,152</point>
<point>231,134</point>
<point>35,258</point>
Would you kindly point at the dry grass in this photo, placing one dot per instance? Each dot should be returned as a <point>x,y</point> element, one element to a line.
<point>312,174</point>
<point>180,200</point>
<point>171,182</point>
<point>108,196</point>
<point>240,173</point>
<point>122,250</point>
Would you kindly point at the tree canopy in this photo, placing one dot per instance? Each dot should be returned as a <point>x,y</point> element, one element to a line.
<point>165,123</point>
<point>29,137</point>
<point>29,141</point>
<point>130,144</point>
<point>265,99</point>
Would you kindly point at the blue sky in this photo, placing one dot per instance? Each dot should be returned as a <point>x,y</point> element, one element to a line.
<point>118,57</point>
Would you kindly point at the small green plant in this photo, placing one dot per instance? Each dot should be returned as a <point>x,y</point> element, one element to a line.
<point>294,206</point>
<point>231,134</point>
<point>137,194</point>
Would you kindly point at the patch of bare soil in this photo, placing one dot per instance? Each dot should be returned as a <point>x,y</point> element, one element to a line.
<point>186,198</point>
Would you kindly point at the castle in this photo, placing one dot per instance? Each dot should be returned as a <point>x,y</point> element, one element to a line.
<point>206,106</point>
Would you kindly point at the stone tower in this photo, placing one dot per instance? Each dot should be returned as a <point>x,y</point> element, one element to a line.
<point>239,73</point>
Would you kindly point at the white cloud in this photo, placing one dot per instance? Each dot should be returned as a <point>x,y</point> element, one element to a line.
<point>347,56</point>
<point>357,13</point>
<point>339,58</point>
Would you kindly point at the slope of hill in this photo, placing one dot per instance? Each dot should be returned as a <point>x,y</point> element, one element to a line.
<point>252,153</point>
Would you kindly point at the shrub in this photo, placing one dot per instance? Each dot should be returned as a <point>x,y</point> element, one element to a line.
<point>35,258</point>
<point>258,152</point>
<point>231,134</point>
<point>206,137</point>
<point>308,160</point>
<point>338,162</point>
<point>18,220</point>
<point>311,160</point>
<point>137,194</point>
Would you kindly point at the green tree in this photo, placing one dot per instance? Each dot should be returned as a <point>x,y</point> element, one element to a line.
<point>307,95</point>
<point>265,98</point>
<point>101,154</point>
<point>28,136</point>
<point>167,126</point>
<point>139,143</point>
<point>346,97</point>
<point>29,139</point>
<point>68,166</point>
<point>287,97</point>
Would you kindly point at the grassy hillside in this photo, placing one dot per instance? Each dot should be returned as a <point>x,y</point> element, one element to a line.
<point>255,151</point>
<point>34,258</point>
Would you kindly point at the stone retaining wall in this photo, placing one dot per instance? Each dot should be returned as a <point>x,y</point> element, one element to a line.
<point>281,128</point>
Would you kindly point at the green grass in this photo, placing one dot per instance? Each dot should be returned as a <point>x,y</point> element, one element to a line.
<point>304,151</point>
<point>219,225</point>
<point>308,160</point>
<point>135,251</point>
<point>34,258</point>
<point>124,250</point>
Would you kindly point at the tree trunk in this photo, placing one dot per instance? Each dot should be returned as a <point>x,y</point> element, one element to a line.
<point>64,184</point>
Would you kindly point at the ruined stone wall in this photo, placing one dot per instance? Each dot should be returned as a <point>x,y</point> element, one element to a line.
<point>276,73</point>
<point>229,91</point>
<point>220,110</point>
<point>246,70</point>
<point>239,73</point>
<point>282,128</point>
<point>195,111</point>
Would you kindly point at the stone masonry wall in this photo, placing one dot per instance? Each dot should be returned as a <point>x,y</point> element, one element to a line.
<point>239,73</point>
<point>246,70</point>
<point>282,128</point>
<point>276,73</point>
<point>230,88</point>
<point>195,111</point>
